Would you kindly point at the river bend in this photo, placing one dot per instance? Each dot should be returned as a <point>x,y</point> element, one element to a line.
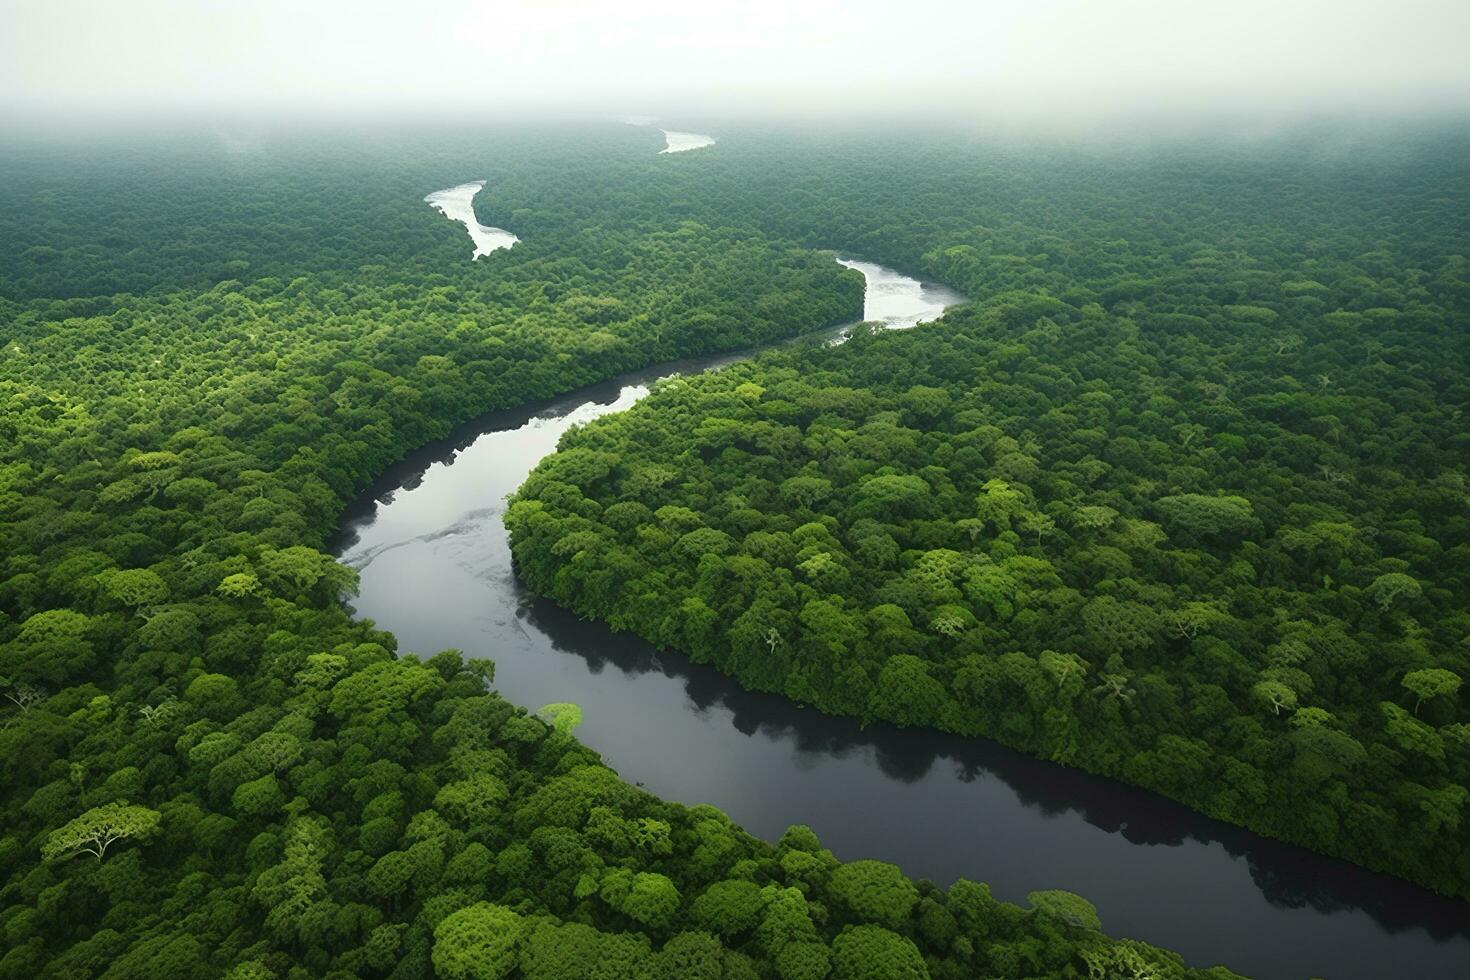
<point>436,570</point>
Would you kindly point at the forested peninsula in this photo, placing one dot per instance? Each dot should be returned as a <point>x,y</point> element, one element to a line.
<point>1180,498</point>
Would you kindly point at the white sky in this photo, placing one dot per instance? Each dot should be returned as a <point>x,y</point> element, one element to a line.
<point>71,58</point>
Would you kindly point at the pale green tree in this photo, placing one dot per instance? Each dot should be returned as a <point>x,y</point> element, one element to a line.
<point>477,943</point>
<point>1432,682</point>
<point>98,829</point>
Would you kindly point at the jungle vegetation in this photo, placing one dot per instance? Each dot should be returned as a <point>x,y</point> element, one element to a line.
<point>1180,497</point>
<point>207,767</point>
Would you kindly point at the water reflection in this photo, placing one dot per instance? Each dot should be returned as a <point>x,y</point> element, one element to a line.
<point>457,204</point>
<point>677,142</point>
<point>1288,876</point>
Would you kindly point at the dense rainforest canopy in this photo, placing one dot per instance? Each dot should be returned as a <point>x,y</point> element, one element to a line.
<point>1180,498</point>
<point>206,767</point>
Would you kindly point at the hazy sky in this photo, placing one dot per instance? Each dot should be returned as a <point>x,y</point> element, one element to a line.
<point>68,58</point>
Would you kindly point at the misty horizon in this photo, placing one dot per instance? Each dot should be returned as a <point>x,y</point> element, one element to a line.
<point>1010,65</point>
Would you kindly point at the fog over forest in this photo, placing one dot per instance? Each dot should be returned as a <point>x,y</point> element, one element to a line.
<point>1056,62</point>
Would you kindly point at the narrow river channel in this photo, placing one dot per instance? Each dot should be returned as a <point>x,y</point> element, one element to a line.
<point>457,204</point>
<point>676,142</point>
<point>436,570</point>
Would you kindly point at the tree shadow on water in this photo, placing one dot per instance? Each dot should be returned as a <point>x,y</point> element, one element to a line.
<point>1288,876</point>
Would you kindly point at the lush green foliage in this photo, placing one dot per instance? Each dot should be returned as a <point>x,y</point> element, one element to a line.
<point>206,768</point>
<point>1180,498</point>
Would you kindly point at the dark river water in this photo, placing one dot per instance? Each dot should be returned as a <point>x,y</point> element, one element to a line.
<point>436,570</point>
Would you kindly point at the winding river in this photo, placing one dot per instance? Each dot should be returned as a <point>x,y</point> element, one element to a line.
<point>676,142</point>
<point>436,570</point>
<point>456,204</point>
